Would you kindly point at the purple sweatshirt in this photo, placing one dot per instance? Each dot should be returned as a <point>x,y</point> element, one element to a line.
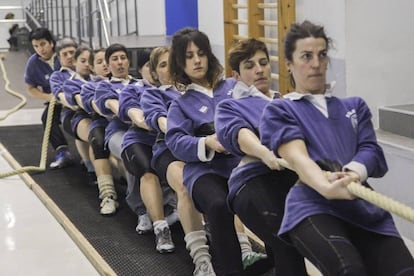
<point>190,118</point>
<point>155,103</point>
<point>346,136</point>
<point>87,95</point>
<point>38,72</point>
<point>130,98</point>
<point>110,90</point>
<point>231,116</point>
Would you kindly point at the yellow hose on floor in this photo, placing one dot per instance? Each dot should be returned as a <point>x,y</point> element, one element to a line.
<point>43,156</point>
<point>374,197</point>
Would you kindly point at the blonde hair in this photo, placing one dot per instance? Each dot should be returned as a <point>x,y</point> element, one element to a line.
<point>154,60</point>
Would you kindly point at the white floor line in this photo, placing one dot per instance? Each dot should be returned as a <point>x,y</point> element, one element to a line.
<point>22,117</point>
<point>32,241</point>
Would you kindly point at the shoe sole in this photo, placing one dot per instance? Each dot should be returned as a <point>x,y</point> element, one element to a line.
<point>166,251</point>
<point>143,232</point>
<point>108,215</point>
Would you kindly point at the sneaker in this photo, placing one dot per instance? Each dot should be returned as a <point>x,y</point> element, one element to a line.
<point>164,241</point>
<point>204,268</point>
<point>108,206</point>
<point>144,224</point>
<point>252,257</point>
<point>172,217</point>
<point>62,159</point>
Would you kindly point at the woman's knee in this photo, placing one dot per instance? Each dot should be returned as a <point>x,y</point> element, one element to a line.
<point>149,177</point>
<point>218,208</point>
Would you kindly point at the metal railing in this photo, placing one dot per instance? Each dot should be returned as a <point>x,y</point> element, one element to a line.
<point>89,21</point>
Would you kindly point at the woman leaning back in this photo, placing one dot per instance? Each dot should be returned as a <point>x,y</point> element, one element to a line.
<point>312,129</point>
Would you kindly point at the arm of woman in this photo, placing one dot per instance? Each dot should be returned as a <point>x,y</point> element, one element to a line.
<point>181,140</point>
<point>137,117</point>
<point>106,96</point>
<point>113,105</point>
<point>162,123</point>
<point>155,109</point>
<point>78,101</point>
<point>296,154</point>
<point>250,144</point>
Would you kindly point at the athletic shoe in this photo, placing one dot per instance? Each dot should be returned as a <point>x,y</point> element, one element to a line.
<point>252,257</point>
<point>63,159</point>
<point>204,268</point>
<point>163,240</point>
<point>144,224</point>
<point>108,206</point>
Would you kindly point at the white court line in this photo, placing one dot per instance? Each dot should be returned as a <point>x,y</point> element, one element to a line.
<point>23,117</point>
<point>32,241</point>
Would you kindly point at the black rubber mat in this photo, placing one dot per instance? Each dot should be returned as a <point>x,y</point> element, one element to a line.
<point>114,238</point>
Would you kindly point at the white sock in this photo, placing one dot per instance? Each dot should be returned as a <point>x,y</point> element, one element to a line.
<point>106,186</point>
<point>159,225</point>
<point>196,243</point>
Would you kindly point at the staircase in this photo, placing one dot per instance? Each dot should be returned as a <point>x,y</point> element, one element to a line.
<point>396,136</point>
<point>398,119</point>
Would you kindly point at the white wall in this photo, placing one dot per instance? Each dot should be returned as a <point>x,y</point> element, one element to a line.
<point>373,47</point>
<point>151,17</point>
<point>380,51</point>
<point>210,21</point>
<point>330,14</point>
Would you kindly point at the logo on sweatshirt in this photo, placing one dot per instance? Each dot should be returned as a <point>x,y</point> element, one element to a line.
<point>354,119</point>
<point>203,109</point>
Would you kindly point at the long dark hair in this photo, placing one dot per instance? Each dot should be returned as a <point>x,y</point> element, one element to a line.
<point>177,59</point>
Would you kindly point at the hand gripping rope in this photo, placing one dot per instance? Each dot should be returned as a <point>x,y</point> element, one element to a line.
<point>43,156</point>
<point>373,197</point>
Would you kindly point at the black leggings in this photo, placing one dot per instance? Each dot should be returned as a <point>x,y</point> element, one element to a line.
<point>57,138</point>
<point>137,159</point>
<point>210,196</point>
<point>96,139</point>
<point>336,247</point>
<point>260,206</point>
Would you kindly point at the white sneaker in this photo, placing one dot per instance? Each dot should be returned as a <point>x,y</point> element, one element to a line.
<point>172,218</point>
<point>204,268</point>
<point>144,224</point>
<point>163,240</point>
<point>108,206</point>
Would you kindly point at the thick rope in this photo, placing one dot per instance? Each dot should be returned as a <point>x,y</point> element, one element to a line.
<point>373,197</point>
<point>43,156</point>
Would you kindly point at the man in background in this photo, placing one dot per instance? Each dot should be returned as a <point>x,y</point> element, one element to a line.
<point>39,67</point>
